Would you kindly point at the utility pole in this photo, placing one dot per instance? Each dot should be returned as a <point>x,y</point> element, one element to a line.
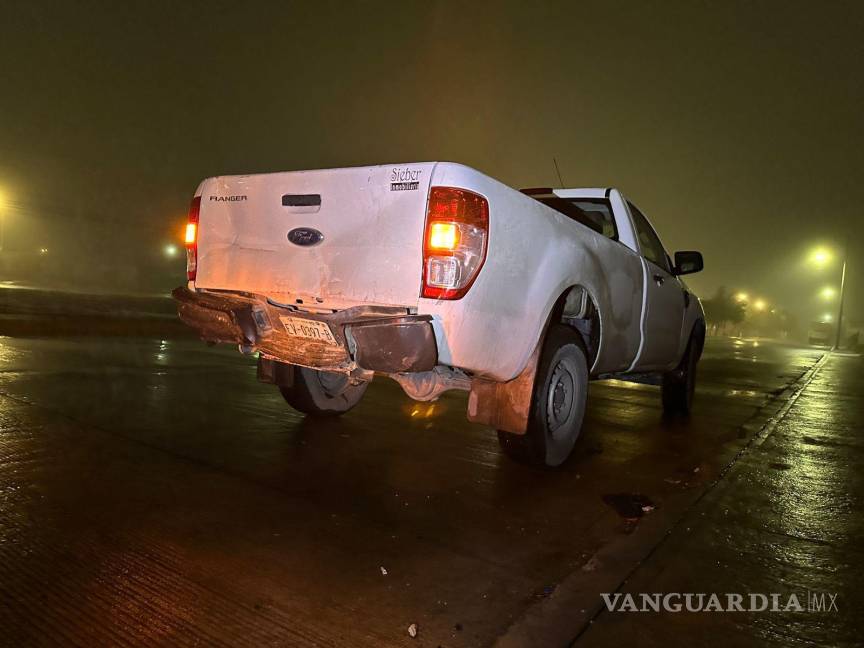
<point>842,296</point>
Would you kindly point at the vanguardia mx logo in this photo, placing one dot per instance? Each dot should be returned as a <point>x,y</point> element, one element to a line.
<point>728,602</point>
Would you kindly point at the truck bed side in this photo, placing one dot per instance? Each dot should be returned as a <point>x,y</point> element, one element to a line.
<point>534,255</point>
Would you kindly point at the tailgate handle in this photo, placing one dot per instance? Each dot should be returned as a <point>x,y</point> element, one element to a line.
<point>301,200</point>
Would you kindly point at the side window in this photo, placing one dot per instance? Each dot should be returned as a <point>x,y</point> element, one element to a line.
<point>652,248</point>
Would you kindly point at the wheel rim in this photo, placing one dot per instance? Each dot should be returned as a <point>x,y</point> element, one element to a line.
<point>561,397</point>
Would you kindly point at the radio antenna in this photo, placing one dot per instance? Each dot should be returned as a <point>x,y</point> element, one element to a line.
<point>558,171</point>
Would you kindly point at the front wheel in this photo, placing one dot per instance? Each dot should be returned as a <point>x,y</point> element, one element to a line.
<point>557,404</point>
<point>322,393</point>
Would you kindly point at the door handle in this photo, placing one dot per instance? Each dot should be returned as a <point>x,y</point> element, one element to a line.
<point>659,279</point>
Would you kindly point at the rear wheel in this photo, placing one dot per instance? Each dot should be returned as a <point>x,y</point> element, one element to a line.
<point>323,393</point>
<point>679,385</point>
<point>557,404</point>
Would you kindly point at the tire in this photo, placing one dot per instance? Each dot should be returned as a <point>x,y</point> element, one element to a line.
<point>679,385</point>
<point>322,393</point>
<point>557,403</point>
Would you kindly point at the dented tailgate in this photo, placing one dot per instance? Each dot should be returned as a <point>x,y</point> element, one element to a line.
<point>329,238</point>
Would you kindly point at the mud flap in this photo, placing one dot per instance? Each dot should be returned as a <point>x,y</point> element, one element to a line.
<point>505,406</point>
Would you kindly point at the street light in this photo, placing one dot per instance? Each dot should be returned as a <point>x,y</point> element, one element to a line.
<point>821,257</point>
<point>828,293</point>
<point>759,305</point>
<point>842,296</point>
<point>741,297</point>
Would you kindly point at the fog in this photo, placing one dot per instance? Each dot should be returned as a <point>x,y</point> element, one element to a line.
<point>736,127</point>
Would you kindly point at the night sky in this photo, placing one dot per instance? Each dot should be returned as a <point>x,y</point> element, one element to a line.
<point>736,126</point>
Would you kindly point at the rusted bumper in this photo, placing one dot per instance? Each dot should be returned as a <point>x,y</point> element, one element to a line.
<point>385,340</point>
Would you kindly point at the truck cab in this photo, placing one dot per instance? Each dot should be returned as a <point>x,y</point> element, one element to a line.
<point>665,298</point>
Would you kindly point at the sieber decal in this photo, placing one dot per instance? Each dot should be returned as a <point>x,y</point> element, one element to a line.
<point>405,179</point>
<point>228,198</point>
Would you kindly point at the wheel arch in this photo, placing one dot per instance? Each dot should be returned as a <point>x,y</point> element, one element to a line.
<point>577,308</point>
<point>506,405</point>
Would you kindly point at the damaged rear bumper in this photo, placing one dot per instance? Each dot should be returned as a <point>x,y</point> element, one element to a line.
<point>381,339</point>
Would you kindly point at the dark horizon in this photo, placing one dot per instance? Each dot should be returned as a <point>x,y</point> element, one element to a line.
<point>735,127</point>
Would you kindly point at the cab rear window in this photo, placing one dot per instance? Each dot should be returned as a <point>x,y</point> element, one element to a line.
<point>595,213</point>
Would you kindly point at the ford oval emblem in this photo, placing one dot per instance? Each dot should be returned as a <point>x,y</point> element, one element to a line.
<point>305,236</point>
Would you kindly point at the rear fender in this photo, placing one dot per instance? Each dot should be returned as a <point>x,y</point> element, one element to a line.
<point>507,405</point>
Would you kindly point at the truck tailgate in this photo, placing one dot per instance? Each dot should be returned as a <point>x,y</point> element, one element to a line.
<point>357,235</point>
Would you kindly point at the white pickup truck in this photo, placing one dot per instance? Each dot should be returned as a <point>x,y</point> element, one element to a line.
<point>441,277</point>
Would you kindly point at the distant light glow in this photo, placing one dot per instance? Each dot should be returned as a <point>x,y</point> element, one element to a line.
<point>826,317</point>
<point>820,257</point>
<point>170,250</point>
<point>43,250</point>
<point>760,305</point>
<point>827,293</point>
<point>741,297</point>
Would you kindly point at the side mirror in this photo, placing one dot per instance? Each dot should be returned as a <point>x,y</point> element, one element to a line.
<point>687,263</point>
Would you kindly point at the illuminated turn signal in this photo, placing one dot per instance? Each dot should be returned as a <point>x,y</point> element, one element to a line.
<point>454,243</point>
<point>443,236</point>
<point>191,239</point>
<point>191,233</point>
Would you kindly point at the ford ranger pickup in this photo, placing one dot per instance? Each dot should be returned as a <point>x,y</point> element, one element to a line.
<point>441,278</point>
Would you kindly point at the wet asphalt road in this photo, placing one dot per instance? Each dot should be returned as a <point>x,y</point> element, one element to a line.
<point>152,492</point>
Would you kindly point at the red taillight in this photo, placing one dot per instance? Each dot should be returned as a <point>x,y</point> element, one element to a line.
<point>192,239</point>
<point>454,243</point>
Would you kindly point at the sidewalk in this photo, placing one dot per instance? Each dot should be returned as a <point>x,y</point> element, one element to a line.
<point>786,519</point>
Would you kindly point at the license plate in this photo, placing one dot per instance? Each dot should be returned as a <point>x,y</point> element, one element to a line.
<point>309,330</point>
